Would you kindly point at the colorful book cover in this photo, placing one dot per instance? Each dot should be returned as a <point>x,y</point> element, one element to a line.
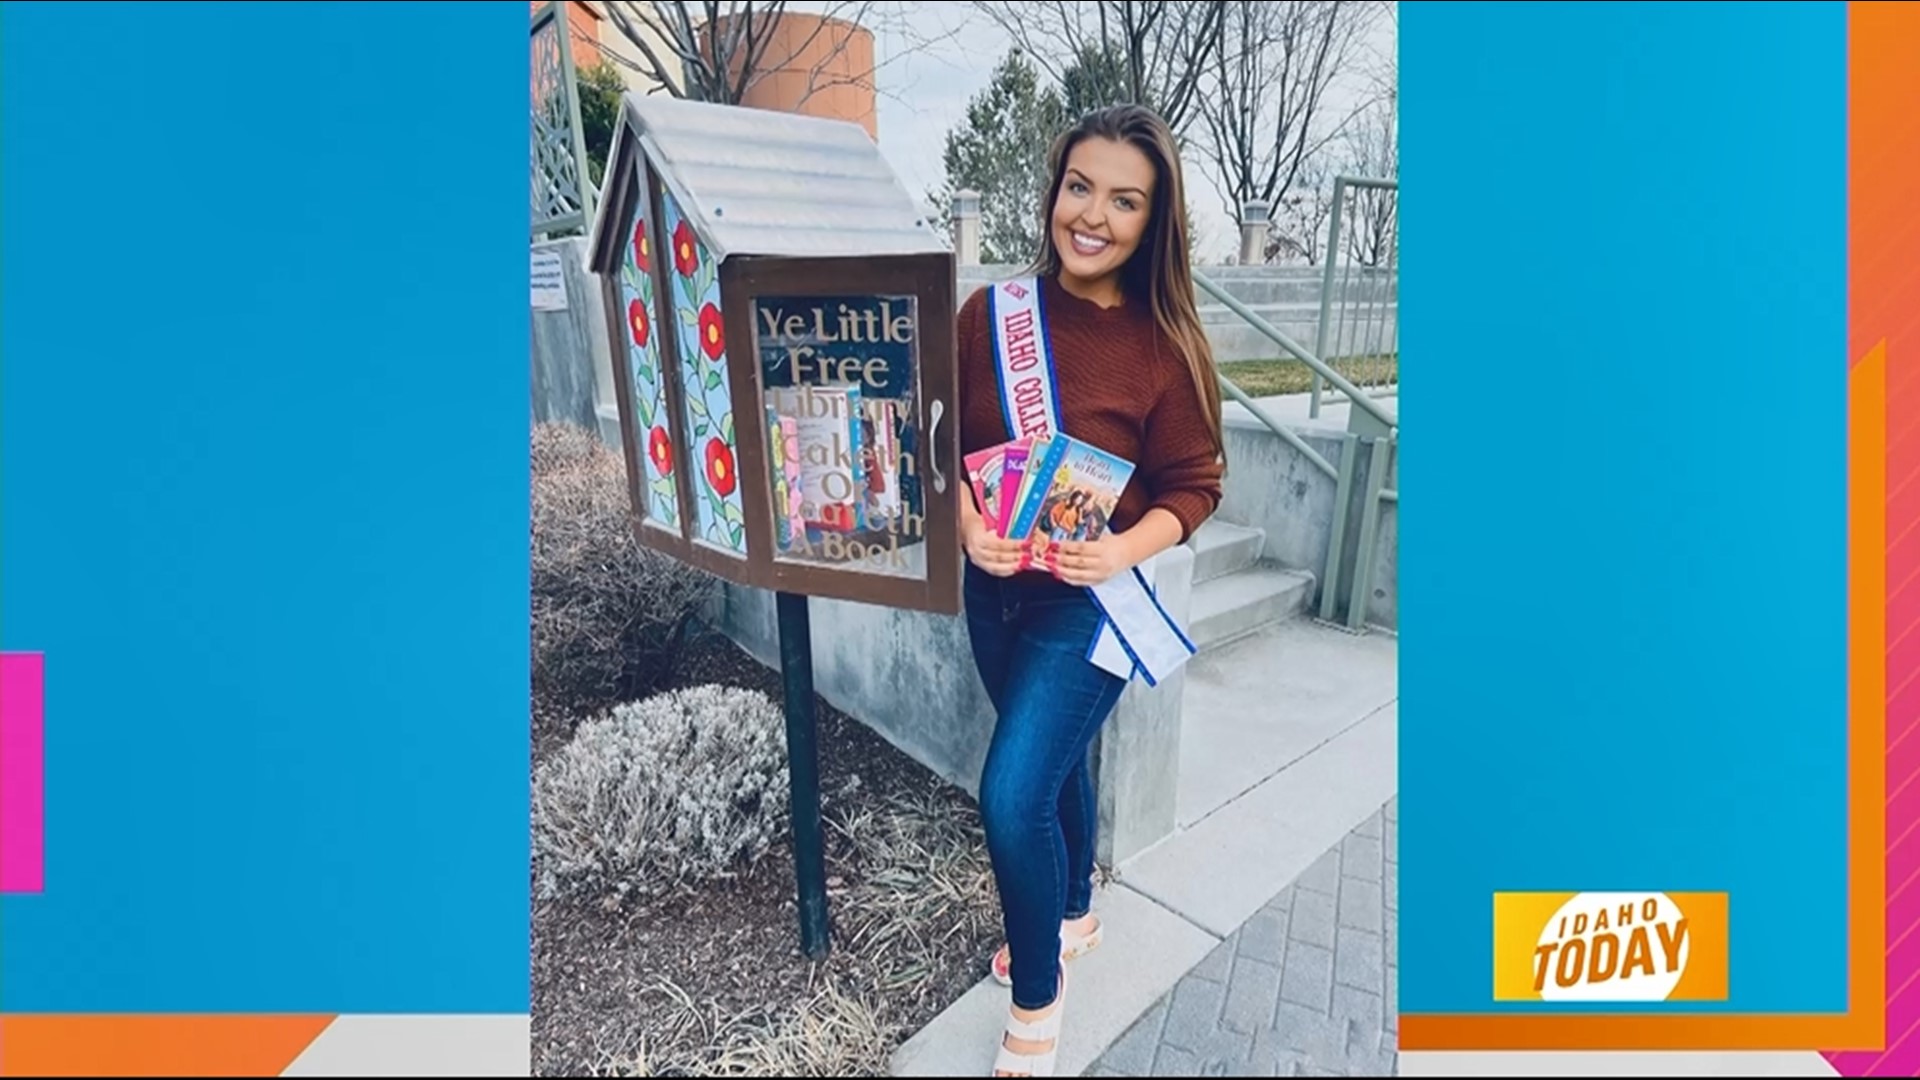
<point>832,473</point>
<point>881,439</point>
<point>790,521</point>
<point>985,468</point>
<point>1042,461</point>
<point>777,478</point>
<point>1013,482</point>
<point>1076,500</point>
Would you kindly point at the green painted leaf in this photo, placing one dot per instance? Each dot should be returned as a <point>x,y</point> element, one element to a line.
<point>739,538</point>
<point>713,383</point>
<point>698,406</point>
<point>733,514</point>
<point>689,316</point>
<point>726,428</point>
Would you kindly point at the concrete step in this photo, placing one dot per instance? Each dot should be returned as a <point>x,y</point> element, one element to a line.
<point>1231,607</point>
<point>1221,548</point>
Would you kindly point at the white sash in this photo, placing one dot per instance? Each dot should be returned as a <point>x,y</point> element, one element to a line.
<point>1137,636</point>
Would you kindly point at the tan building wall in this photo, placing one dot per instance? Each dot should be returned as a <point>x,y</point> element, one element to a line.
<point>595,38</point>
<point>637,69</point>
<point>816,66</point>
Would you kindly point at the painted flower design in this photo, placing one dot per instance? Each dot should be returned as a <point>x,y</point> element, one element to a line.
<point>660,449</point>
<point>713,335</point>
<point>640,253</point>
<point>686,250</point>
<point>637,322</point>
<point>720,472</point>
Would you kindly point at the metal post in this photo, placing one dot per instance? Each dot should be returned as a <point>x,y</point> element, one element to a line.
<point>803,772</point>
<point>1326,290</point>
<point>570,82</point>
<point>1358,601</point>
<point>1337,542</point>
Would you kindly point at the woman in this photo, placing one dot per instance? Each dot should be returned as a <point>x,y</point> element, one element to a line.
<point>1133,375</point>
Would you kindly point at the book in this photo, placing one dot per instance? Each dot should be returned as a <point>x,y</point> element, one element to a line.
<point>1013,483</point>
<point>985,472</point>
<point>880,442</point>
<point>790,523</point>
<point>832,466</point>
<point>1071,497</point>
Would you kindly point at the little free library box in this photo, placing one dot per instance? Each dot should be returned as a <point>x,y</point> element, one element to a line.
<point>781,314</point>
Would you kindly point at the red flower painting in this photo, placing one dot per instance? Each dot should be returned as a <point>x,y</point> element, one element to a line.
<point>713,335</point>
<point>686,250</point>
<point>637,322</point>
<point>660,449</point>
<point>720,472</point>
<point>640,252</point>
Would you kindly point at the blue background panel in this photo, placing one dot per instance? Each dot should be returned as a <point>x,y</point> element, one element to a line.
<point>263,502</point>
<point>1623,537</point>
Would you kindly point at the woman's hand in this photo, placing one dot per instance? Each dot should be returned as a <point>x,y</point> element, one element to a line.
<point>1092,562</point>
<point>998,557</point>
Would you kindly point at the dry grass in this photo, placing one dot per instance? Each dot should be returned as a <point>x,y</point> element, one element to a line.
<point>912,891</point>
<point>1271,378</point>
<point>610,618</point>
<point>829,1034</point>
<point>923,887</point>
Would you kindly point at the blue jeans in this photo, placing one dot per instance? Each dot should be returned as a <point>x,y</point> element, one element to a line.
<point>1030,644</point>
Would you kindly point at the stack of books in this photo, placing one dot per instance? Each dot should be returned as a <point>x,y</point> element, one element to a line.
<point>840,462</point>
<point>1047,492</point>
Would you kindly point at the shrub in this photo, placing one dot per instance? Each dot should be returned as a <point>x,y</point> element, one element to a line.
<point>610,618</point>
<point>682,787</point>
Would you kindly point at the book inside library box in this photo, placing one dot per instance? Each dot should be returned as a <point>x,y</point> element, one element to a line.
<point>788,385</point>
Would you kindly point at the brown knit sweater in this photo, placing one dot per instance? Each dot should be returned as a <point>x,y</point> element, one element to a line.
<point>1121,387</point>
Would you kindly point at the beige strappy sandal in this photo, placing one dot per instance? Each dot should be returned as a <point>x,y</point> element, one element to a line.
<point>1072,947</point>
<point>1010,1063</point>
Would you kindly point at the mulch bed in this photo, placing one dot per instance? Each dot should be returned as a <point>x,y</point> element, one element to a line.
<point>732,949</point>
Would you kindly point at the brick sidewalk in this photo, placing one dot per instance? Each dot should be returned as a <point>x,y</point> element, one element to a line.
<point>1305,988</point>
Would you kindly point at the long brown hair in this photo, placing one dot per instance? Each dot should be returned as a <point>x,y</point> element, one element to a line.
<point>1160,272</point>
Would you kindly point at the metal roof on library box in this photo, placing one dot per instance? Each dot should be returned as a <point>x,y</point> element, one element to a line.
<point>758,182</point>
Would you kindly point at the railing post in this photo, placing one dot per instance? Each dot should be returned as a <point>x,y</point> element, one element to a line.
<point>1332,260</point>
<point>966,227</point>
<point>1357,599</point>
<point>1255,221</point>
<point>1337,542</point>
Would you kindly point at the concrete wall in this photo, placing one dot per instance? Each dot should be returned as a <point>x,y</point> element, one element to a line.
<point>1272,487</point>
<point>572,366</point>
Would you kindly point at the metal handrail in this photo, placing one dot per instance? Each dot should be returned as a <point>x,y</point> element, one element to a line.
<point>1292,438</point>
<point>1273,333</point>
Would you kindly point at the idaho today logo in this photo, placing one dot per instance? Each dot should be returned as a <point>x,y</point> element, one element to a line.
<point>1609,946</point>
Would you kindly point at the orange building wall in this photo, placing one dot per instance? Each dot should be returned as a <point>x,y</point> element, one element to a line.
<point>816,66</point>
<point>583,30</point>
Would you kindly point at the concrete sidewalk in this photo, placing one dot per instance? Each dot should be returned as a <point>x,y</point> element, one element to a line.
<point>1303,988</point>
<point>1176,907</point>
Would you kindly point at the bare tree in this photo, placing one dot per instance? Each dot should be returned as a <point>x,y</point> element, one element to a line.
<point>1300,215</point>
<point>1266,99</point>
<point>709,50</point>
<point>1143,52</point>
<point>1372,216</point>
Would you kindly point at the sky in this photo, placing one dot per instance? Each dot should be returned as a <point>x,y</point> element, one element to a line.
<point>927,72</point>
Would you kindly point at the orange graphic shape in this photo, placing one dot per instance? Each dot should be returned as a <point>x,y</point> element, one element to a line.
<point>154,1045</point>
